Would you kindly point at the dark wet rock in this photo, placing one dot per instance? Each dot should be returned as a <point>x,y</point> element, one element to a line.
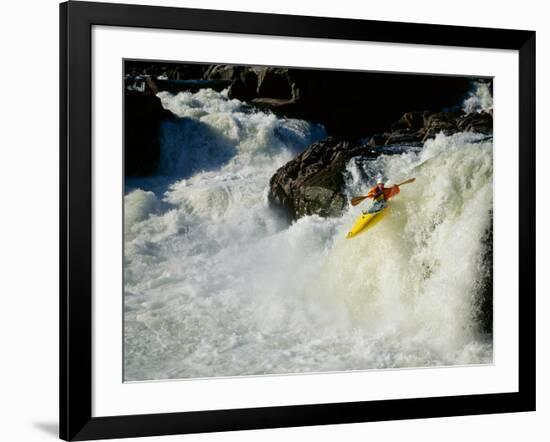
<point>413,120</point>
<point>415,127</point>
<point>244,86</point>
<point>442,117</point>
<point>221,72</point>
<point>279,106</point>
<point>481,122</point>
<point>143,116</point>
<point>151,87</point>
<point>398,126</point>
<point>378,140</point>
<point>349,104</point>
<point>440,122</point>
<point>453,122</point>
<point>264,84</point>
<point>404,136</point>
<point>313,182</point>
<point>275,83</point>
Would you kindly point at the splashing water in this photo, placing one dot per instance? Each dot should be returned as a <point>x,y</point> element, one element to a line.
<point>480,99</point>
<point>216,284</point>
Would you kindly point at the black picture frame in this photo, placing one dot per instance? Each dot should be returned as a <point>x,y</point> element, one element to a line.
<point>76,21</point>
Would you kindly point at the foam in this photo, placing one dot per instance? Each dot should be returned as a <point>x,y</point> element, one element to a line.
<point>216,284</point>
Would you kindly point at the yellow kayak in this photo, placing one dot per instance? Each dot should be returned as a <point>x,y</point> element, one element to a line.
<point>366,221</point>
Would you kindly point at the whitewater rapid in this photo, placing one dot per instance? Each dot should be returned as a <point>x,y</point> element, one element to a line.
<point>218,284</point>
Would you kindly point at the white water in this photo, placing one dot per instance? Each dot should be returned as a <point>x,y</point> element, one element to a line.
<point>216,284</point>
<point>479,99</point>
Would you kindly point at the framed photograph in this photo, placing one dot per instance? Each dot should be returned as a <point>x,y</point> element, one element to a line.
<point>273,220</point>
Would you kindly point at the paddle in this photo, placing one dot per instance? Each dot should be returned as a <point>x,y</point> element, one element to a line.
<point>357,199</point>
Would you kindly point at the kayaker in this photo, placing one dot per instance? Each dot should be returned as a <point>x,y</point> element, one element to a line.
<point>381,194</point>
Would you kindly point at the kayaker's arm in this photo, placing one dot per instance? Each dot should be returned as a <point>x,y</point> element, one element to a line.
<point>357,199</point>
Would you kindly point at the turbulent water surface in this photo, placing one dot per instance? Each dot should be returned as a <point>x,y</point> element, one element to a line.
<point>217,284</point>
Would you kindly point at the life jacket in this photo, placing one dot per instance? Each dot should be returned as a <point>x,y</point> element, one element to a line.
<point>390,192</point>
<point>376,192</point>
<point>379,192</point>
